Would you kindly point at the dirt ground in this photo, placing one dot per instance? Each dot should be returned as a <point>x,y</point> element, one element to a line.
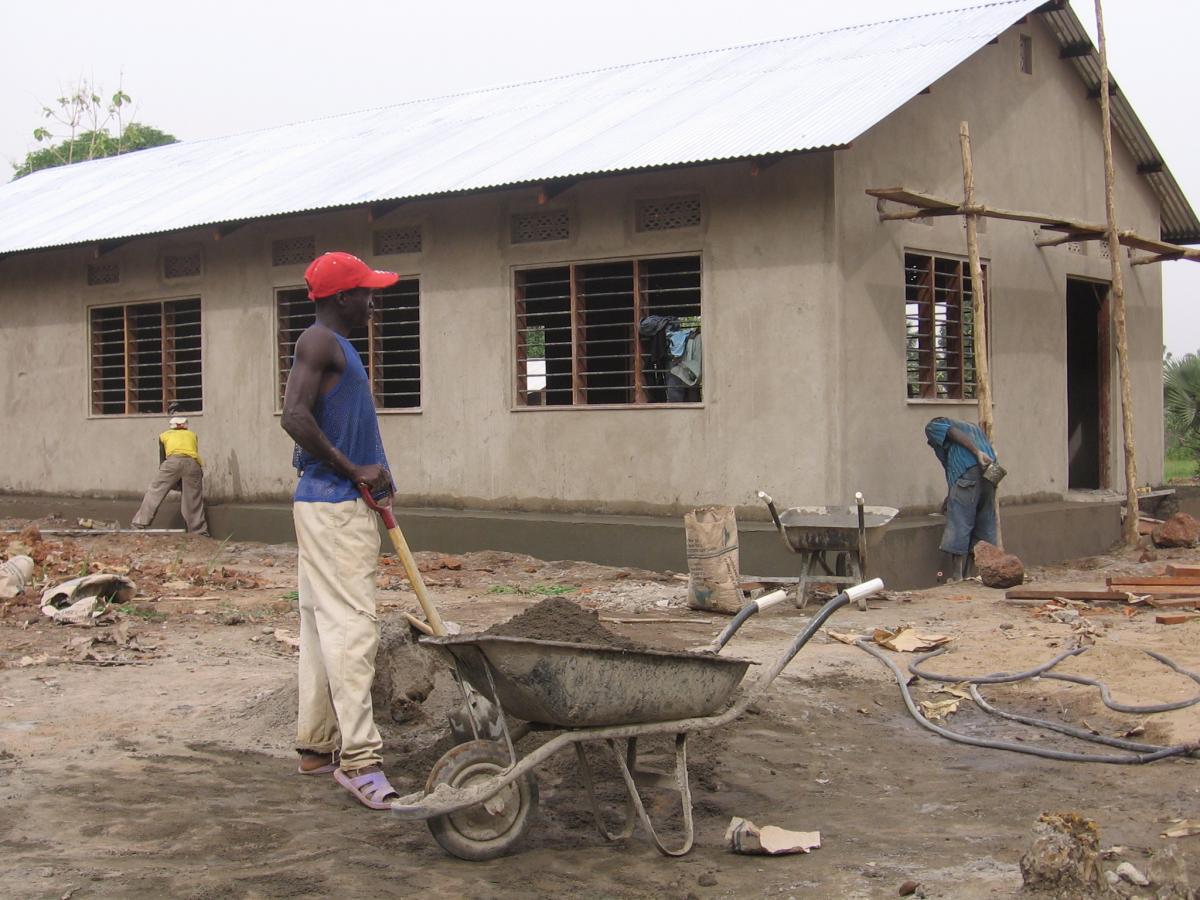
<point>157,761</point>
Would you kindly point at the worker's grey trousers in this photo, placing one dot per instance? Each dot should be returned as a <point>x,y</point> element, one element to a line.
<point>187,473</point>
<point>339,631</point>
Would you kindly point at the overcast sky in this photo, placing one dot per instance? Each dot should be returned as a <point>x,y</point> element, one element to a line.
<point>201,70</point>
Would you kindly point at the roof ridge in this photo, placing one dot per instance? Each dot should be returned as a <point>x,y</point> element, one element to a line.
<point>629,65</point>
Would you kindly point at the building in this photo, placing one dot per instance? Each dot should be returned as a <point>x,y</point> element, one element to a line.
<point>535,225</point>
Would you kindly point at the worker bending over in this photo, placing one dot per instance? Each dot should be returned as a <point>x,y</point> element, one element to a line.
<point>179,464</point>
<point>968,460</point>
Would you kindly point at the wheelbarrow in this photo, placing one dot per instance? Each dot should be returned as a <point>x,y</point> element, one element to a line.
<point>831,540</point>
<point>480,796</point>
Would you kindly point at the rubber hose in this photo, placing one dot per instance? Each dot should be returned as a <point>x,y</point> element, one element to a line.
<point>997,678</point>
<point>1080,733</point>
<point>1043,752</point>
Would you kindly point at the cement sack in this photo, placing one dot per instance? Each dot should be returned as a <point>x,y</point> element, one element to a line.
<point>712,556</point>
<point>14,575</point>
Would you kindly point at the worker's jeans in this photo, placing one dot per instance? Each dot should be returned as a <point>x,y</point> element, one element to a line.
<point>187,474</point>
<point>339,633</point>
<point>970,513</point>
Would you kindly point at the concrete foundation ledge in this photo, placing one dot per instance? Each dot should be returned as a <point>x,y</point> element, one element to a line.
<point>905,553</point>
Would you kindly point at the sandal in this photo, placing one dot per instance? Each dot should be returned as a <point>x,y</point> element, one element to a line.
<point>371,790</point>
<point>320,770</point>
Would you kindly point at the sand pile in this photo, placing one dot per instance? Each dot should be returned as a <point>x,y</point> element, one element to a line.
<point>558,619</point>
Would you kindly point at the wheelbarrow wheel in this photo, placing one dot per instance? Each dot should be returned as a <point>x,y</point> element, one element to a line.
<point>488,829</point>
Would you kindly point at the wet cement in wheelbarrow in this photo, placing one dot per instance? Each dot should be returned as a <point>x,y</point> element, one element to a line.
<point>559,619</point>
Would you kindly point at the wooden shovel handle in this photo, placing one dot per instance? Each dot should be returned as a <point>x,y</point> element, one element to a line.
<point>432,616</point>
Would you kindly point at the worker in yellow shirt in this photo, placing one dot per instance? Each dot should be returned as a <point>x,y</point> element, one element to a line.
<point>179,464</point>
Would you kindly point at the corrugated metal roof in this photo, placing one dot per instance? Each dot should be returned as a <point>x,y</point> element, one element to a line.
<point>810,92</point>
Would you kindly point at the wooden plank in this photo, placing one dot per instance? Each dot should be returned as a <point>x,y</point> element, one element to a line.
<point>1163,593</point>
<point>1065,593</point>
<point>1178,603</point>
<point>1154,581</point>
<point>927,205</point>
<point>913,198</point>
<point>1183,570</point>
<point>1174,619</point>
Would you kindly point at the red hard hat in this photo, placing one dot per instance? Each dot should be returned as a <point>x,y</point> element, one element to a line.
<point>331,273</point>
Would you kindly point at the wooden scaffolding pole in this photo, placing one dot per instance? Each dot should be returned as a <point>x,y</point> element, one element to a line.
<point>983,377</point>
<point>1118,292</point>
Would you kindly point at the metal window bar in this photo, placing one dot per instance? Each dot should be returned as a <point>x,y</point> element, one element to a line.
<point>389,347</point>
<point>145,356</point>
<point>577,329</point>
<point>545,337</point>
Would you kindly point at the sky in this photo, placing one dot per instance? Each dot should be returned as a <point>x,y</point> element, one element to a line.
<point>200,70</point>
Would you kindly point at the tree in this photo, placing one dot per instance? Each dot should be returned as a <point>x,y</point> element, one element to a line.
<point>1181,402</point>
<point>83,126</point>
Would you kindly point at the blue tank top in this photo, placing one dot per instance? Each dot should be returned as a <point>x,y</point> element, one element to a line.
<point>347,417</point>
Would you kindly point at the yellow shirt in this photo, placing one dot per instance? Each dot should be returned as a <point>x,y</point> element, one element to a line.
<point>180,442</point>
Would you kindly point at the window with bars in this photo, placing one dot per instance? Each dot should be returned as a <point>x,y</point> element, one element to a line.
<point>145,356</point>
<point>390,345</point>
<point>939,327</point>
<point>577,329</point>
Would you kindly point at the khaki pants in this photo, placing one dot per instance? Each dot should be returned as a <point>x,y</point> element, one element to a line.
<point>187,473</point>
<point>339,633</point>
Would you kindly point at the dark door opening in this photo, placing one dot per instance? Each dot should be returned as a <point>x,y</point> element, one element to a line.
<point>1087,384</point>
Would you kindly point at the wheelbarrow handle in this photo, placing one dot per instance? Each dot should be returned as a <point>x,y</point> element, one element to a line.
<point>760,604</point>
<point>766,498</point>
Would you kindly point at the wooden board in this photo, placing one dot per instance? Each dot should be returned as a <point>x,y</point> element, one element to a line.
<point>1174,619</point>
<point>1155,581</point>
<point>1029,594</point>
<point>1183,571</point>
<point>1181,603</point>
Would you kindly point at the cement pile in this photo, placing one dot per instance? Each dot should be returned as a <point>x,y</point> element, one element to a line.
<point>558,619</point>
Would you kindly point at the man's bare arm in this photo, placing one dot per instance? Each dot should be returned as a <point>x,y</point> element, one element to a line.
<point>317,353</point>
<point>964,440</point>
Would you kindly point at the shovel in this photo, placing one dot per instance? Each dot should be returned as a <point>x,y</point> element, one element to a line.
<point>483,715</point>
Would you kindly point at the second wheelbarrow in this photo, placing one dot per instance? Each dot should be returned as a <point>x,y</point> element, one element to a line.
<point>831,540</point>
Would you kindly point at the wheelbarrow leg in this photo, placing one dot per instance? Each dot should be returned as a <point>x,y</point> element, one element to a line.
<point>808,571</point>
<point>681,784</point>
<point>585,772</point>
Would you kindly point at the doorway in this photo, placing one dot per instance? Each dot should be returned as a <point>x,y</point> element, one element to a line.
<point>1087,384</point>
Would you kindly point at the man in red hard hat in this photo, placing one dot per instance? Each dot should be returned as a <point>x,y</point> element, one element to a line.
<point>329,411</point>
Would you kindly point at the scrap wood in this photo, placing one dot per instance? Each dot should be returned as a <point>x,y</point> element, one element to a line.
<point>658,621</point>
<point>1183,571</point>
<point>1182,828</point>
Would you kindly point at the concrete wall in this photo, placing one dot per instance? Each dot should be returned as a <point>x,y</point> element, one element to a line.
<point>803,311</point>
<point>1037,147</point>
<point>766,287</point>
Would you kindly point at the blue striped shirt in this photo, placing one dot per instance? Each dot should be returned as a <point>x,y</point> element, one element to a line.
<point>955,458</point>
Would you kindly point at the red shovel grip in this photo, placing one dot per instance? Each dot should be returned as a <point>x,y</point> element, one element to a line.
<point>385,512</point>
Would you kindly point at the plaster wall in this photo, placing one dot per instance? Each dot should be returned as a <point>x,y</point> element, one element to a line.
<point>1036,146</point>
<point>767,285</point>
<point>803,309</point>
